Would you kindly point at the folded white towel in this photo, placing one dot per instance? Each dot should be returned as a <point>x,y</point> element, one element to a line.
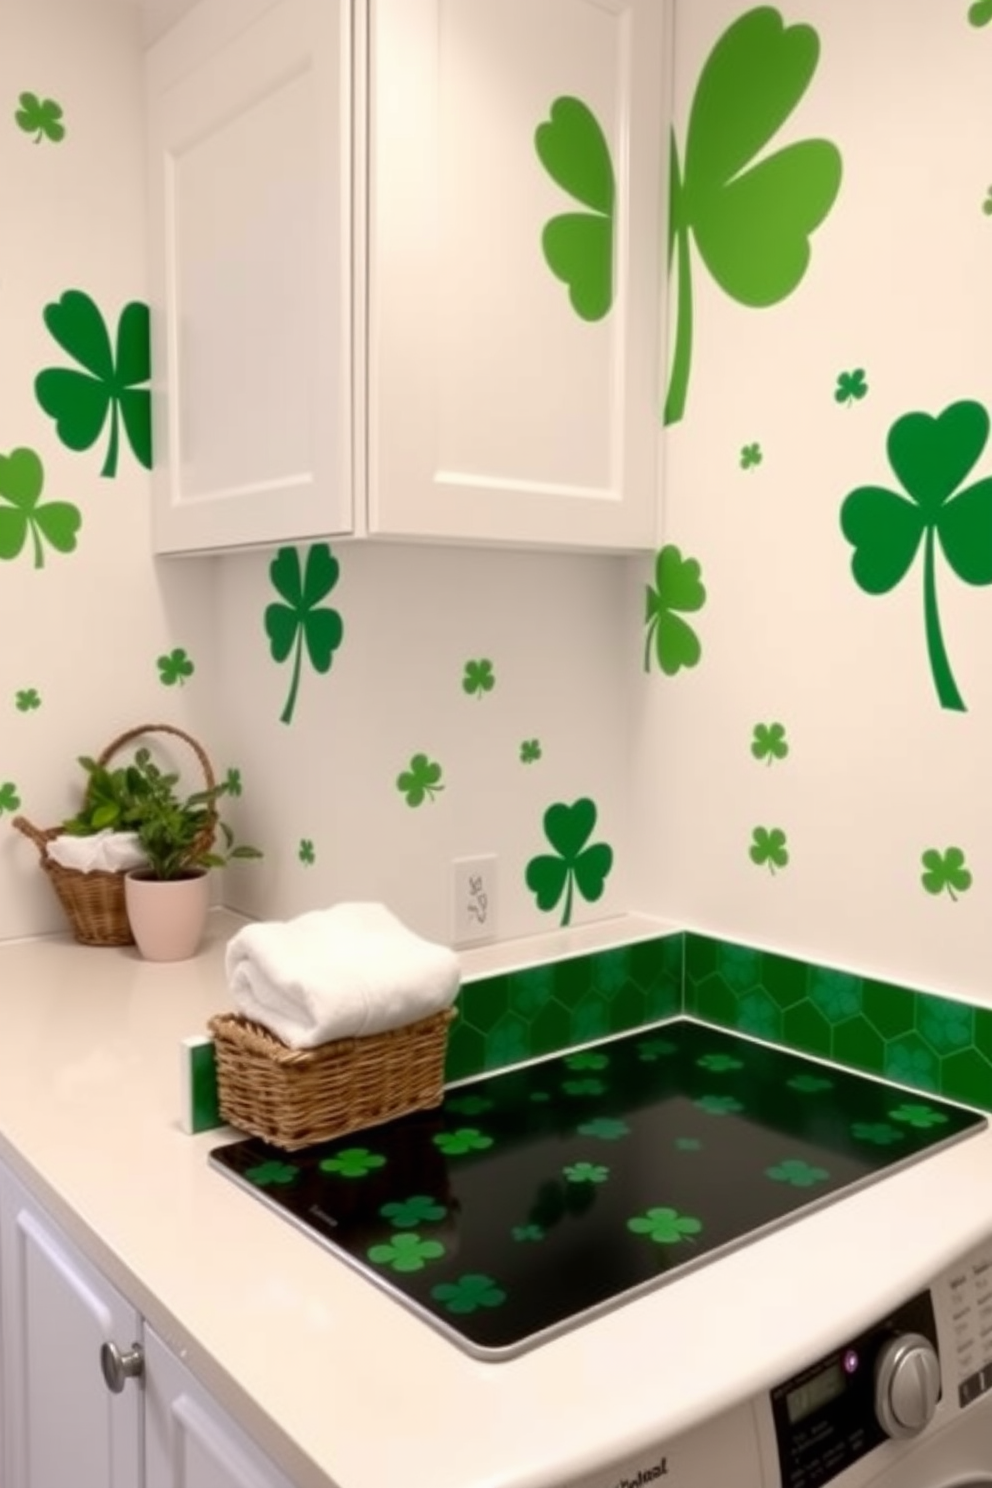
<point>108,851</point>
<point>352,969</point>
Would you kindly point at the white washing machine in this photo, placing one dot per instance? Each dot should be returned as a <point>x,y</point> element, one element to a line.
<point>907,1403</point>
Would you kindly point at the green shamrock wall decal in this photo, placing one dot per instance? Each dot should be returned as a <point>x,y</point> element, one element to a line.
<point>9,798</point>
<point>751,456</point>
<point>57,522</point>
<point>478,678</point>
<point>851,387</point>
<point>987,203</point>
<point>980,13</point>
<point>26,699</point>
<point>41,117</point>
<point>232,781</point>
<point>769,847</point>
<point>530,751</point>
<point>930,457</point>
<point>945,871</point>
<point>678,591</point>
<point>751,223</point>
<point>174,668</point>
<point>576,865</point>
<point>769,742</point>
<point>578,246</point>
<point>300,620</point>
<point>111,383</point>
<point>421,781</point>
<point>665,1226</point>
<point>306,852</point>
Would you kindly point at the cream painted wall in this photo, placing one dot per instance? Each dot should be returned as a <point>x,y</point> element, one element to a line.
<point>900,284</point>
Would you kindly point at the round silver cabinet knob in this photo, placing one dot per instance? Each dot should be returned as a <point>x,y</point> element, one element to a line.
<point>907,1385</point>
<point>118,1368</point>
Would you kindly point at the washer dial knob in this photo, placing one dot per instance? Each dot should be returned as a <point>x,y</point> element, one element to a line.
<point>907,1385</point>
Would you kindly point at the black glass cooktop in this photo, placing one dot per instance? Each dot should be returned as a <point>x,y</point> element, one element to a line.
<point>537,1196</point>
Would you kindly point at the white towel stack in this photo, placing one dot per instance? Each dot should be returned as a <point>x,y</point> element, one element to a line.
<point>350,970</point>
<point>106,851</point>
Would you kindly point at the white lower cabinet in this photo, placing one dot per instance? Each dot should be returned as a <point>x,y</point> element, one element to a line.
<point>62,1422</point>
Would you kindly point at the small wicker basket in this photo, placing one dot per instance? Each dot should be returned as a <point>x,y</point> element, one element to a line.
<point>94,902</point>
<point>294,1098</point>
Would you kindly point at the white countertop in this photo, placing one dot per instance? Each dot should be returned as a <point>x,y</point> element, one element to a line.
<point>338,1382</point>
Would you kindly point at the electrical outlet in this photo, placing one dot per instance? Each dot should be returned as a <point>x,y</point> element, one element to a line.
<point>474,889</point>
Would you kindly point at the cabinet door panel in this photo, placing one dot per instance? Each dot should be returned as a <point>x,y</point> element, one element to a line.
<point>504,401</point>
<point>62,1423</point>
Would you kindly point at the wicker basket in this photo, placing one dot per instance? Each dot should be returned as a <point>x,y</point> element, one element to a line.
<point>94,902</point>
<point>294,1098</point>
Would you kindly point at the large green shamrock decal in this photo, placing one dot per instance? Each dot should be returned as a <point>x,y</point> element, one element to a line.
<point>406,1252</point>
<point>578,246</point>
<point>930,457</point>
<point>421,781</point>
<point>468,1293</point>
<point>678,591</point>
<point>41,117</point>
<point>945,870</point>
<point>301,620</point>
<point>751,226</point>
<point>111,382</point>
<point>665,1226</point>
<point>577,866</point>
<point>21,480</point>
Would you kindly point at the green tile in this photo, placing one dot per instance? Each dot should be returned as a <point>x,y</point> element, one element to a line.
<point>836,994</point>
<point>739,966</point>
<point>967,1076</point>
<point>983,1031</point>
<point>484,1003</point>
<point>589,1019</point>
<point>714,1002</point>
<point>759,1015</point>
<point>530,989</point>
<point>610,970</point>
<point>663,1000</point>
<point>627,1009</point>
<point>856,1043</point>
<point>573,980</point>
<point>946,1025</point>
<point>784,979</point>
<point>699,954</point>
<point>911,1061</point>
<point>550,1029</point>
<point>466,1054</point>
<point>509,1042</point>
<point>805,1029</point>
<point>891,1010</point>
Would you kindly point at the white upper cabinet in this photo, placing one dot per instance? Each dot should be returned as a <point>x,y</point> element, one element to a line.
<point>250,242</point>
<point>516,154</point>
<point>407,271</point>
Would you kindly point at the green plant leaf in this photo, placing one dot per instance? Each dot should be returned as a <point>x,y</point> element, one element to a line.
<point>578,246</point>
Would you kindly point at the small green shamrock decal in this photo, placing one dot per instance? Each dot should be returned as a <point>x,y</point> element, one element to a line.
<point>421,781</point>
<point>750,223</point>
<point>407,1214</point>
<point>650,1049</point>
<point>9,799</point>
<point>175,667</point>
<point>851,387</point>
<point>918,1114</point>
<point>463,1139</point>
<point>586,1172</point>
<point>930,457</point>
<point>809,1084</point>
<point>112,383</point>
<point>665,1226</point>
<point>27,699</point>
<point>301,620</point>
<point>794,1171</point>
<point>687,1144</point>
<point>606,1128</point>
<point>578,246</point>
<point>587,1059</point>
<point>478,677</point>
<point>57,522</point>
<point>577,865</point>
<point>468,1293</point>
<point>353,1162</point>
<point>980,13</point>
<point>232,782</point>
<point>41,117</point>
<point>719,1064</point>
<point>528,1232</point>
<point>589,1086</point>
<point>878,1132</point>
<point>987,203</point>
<point>530,751</point>
<point>769,742</point>
<point>306,853</point>
<point>751,456</point>
<point>718,1105</point>
<point>468,1105</point>
<point>769,847</point>
<point>945,870</point>
<point>405,1253</point>
<point>678,591</point>
<point>272,1172</point>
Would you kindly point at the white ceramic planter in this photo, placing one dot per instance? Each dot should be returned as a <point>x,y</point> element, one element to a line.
<point>167,916</point>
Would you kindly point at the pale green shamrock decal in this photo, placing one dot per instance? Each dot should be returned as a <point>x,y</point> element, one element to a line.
<point>687,1144</point>
<point>750,223</point>
<point>468,1293</point>
<point>527,1232</point>
<point>407,1214</point>
<point>878,1132</point>
<point>917,1114</point>
<point>299,619</point>
<point>175,667</point>
<point>751,456</point>
<point>931,457</point>
<point>578,865</point>
<point>769,742</point>
<point>41,117</point>
<point>468,1105</point>
<point>769,848</point>
<point>665,1226</point>
<point>25,515</point>
<point>589,1086</point>
<point>809,1084</point>
<point>797,1173</point>
<point>587,1059</point>
<point>406,1252</point>
<point>586,1172</point>
<point>306,852</point>
<point>530,751</point>
<point>353,1162</point>
<point>479,678</point>
<point>945,871</point>
<point>26,699</point>
<point>718,1105</point>
<point>651,1049</point>
<point>719,1064</point>
<point>606,1128</point>
<point>464,1139</point>
<point>578,246</point>
<point>678,591</point>
<point>420,781</point>
<point>273,1172</point>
